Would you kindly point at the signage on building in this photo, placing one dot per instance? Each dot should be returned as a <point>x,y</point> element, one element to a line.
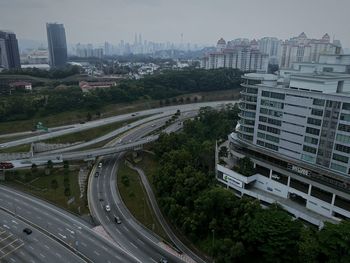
<point>298,169</point>
<point>232,181</point>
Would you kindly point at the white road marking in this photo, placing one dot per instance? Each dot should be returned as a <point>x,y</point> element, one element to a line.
<point>153,260</point>
<point>31,247</point>
<point>96,253</point>
<point>63,236</point>
<point>46,246</point>
<point>134,245</point>
<point>42,255</point>
<point>58,255</point>
<point>83,244</point>
<point>13,221</point>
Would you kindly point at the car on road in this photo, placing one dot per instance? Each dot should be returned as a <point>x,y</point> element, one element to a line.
<point>133,114</point>
<point>100,165</point>
<point>27,230</point>
<point>97,174</point>
<point>108,208</point>
<point>163,260</point>
<point>117,220</point>
<point>153,125</point>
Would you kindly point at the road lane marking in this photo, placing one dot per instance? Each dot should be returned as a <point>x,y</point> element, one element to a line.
<point>63,236</point>
<point>96,253</point>
<point>134,245</point>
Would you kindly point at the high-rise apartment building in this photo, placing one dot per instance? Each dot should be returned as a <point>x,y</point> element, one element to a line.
<point>236,54</point>
<point>57,45</point>
<point>303,49</point>
<point>296,130</point>
<point>272,47</point>
<point>9,54</point>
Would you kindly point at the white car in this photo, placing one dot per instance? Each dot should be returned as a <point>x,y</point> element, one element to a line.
<point>100,165</point>
<point>108,208</point>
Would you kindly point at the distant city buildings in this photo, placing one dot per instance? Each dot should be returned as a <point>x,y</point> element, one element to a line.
<point>238,54</point>
<point>57,45</point>
<point>88,51</point>
<point>9,54</point>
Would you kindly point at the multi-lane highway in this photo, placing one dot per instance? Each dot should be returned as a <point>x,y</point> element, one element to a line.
<point>17,246</point>
<point>68,228</point>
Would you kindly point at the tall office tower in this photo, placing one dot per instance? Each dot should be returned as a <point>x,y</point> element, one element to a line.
<point>57,45</point>
<point>295,128</point>
<point>9,54</point>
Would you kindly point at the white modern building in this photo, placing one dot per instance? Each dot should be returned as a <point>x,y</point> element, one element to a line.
<point>296,131</point>
<point>237,55</point>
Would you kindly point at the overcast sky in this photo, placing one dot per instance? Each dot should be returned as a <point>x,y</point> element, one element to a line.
<point>200,21</point>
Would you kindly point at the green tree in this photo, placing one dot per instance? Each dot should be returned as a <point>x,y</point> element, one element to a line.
<point>246,166</point>
<point>273,236</point>
<point>334,245</point>
<point>223,152</point>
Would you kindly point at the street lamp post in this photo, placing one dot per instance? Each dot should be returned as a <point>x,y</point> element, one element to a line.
<point>212,244</point>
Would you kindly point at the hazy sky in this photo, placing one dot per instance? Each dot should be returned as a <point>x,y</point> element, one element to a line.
<point>200,21</point>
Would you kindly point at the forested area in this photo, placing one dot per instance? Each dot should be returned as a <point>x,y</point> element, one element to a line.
<point>226,227</point>
<point>56,73</point>
<point>159,86</point>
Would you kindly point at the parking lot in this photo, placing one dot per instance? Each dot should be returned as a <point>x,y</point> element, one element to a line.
<point>9,243</point>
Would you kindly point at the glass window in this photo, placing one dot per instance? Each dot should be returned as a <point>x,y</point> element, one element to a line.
<point>338,167</point>
<point>346,106</point>
<point>309,149</point>
<point>342,148</point>
<point>340,158</point>
<point>344,127</point>
<point>314,121</point>
<point>345,117</point>
<point>343,138</point>
<point>313,131</point>
<point>318,102</point>
<point>311,140</point>
<point>317,112</point>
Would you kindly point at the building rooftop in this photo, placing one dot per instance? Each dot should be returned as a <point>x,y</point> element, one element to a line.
<point>261,76</point>
<point>321,75</point>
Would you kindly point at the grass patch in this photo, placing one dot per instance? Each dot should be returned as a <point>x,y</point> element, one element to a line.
<point>136,200</point>
<point>40,184</point>
<point>17,149</point>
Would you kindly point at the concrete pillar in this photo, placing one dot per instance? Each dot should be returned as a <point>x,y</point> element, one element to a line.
<point>333,199</point>
<point>309,192</point>
<point>270,174</point>
<point>288,182</point>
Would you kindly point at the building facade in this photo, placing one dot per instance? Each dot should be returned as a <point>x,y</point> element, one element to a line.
<point>57,45</point>
<point>296,131</point>
<point>9,53</point>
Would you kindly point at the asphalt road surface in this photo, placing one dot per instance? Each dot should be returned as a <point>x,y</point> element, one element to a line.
<point>63,225</point>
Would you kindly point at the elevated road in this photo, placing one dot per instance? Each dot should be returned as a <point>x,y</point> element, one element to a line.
<point>63,130</point>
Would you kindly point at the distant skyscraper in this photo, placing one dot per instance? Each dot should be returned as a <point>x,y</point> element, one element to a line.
<point>57,45</point>
<point>9,54</point>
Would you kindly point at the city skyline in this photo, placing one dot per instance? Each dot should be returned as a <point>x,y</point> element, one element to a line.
<point>181,21</point>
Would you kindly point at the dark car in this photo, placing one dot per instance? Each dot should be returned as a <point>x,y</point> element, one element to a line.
<point>28,231</point>
<point>97,174</point>
<point>117,220</point>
